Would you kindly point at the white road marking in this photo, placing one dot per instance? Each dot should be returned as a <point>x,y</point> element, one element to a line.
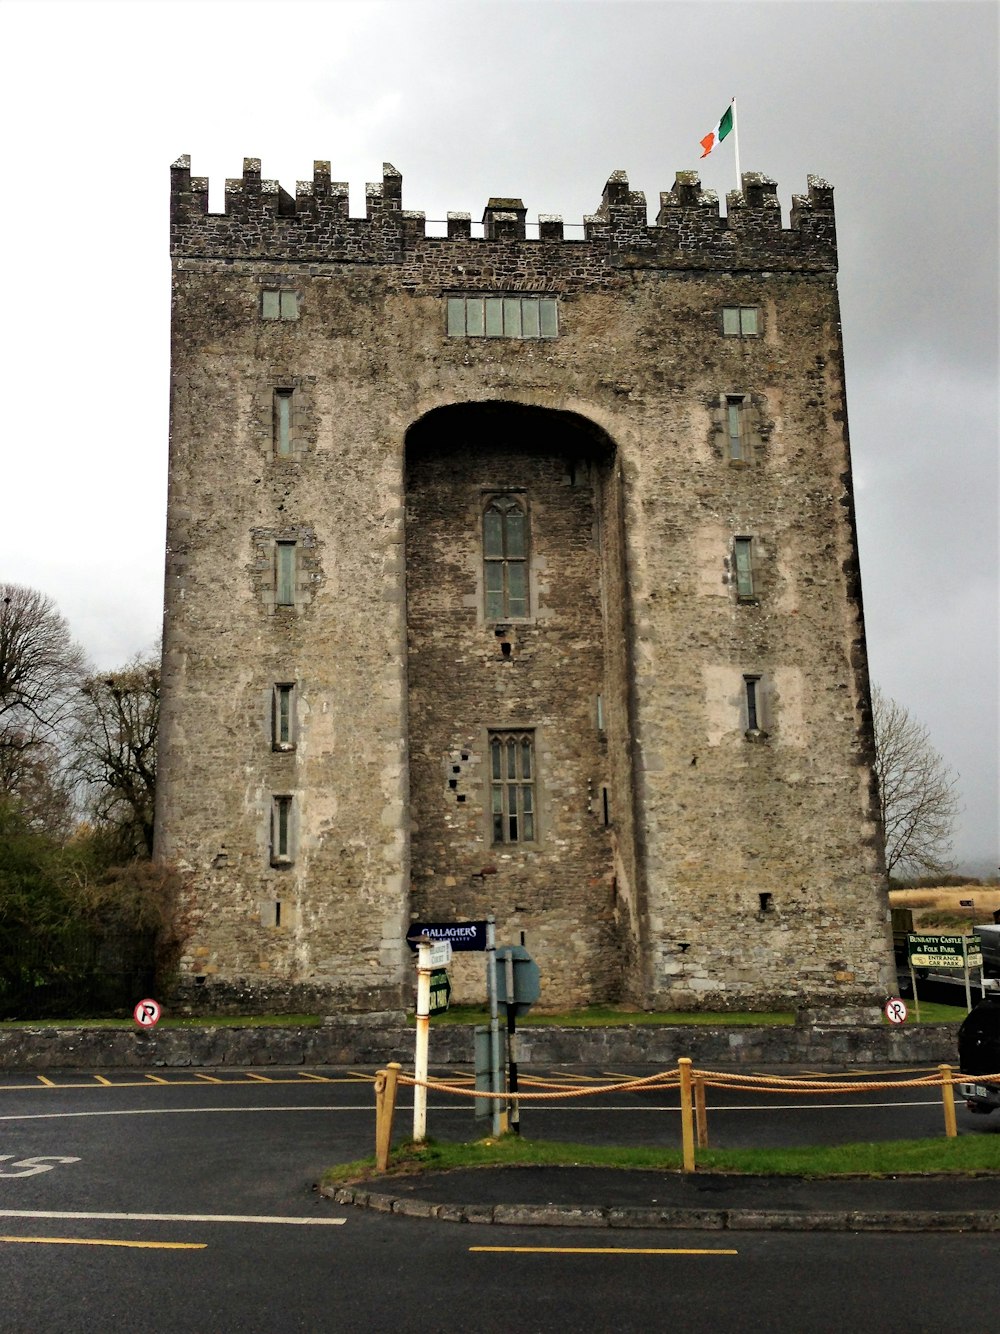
<point>173,1111</point>
<point>174,1218</point>
<point>44,1163</point>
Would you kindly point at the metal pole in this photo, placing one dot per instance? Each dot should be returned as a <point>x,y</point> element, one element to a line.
<point>423,1040</point>
<point>491,991</point>
<point>736,145</point>
<point>514,1114</point>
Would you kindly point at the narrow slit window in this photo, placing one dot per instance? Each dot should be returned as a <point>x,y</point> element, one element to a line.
<point>743,562</point>
<point>281,830</point>
<point>505,558</point>
<point>282,422</point>
<point>751,684</point>
<point>512,776</point>
<point>736,427</point>
<point>283,716</point>
<point>285,574</point>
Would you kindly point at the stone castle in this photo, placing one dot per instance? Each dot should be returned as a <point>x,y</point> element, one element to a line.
<point>512,573</point>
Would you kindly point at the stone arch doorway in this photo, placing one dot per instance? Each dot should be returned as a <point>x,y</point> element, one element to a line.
<point>517,691</point>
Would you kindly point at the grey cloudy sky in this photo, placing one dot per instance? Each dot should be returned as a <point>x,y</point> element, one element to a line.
<point>895,104</point>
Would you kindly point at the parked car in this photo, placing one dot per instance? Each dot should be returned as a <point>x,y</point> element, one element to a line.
<point>979,1054</point>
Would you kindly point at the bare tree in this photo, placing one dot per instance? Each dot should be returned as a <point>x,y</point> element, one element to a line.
<point>917,791</point>
<point>40,670</point>
<point>114,751</point>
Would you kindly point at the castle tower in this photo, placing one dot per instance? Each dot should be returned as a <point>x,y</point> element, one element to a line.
<point>515,573</point>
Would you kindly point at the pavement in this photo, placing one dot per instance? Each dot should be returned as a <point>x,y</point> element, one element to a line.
<point>597,1197</point>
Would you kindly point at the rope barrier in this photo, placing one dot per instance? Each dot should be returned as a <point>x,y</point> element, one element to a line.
<point>670,1079</point>
<point>691,1083</point>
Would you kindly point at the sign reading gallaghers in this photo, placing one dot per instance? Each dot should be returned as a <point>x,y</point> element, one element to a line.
<point>945,951</point>
<point>460,935</point>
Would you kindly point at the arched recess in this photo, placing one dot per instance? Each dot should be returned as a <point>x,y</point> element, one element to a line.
<point>518,671</point>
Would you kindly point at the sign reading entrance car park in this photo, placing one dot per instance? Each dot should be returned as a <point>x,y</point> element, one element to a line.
<point>462,935</point>
<point>147,1014</point>
<point>895,1011</point>
<point>945,951</point>
<point>440,991</point>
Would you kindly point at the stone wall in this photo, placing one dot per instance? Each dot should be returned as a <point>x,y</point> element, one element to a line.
<point>817,1044</point>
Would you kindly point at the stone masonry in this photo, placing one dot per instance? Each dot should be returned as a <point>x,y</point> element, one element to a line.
<point>515,573</point>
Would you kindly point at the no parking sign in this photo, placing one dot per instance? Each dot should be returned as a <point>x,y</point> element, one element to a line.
<point>895,1011</point>
<point>147,1013</point>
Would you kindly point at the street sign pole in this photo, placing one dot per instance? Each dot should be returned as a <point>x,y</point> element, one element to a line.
<point>423,1040</point>
<point>491,991</point>
<point>514,1115</point>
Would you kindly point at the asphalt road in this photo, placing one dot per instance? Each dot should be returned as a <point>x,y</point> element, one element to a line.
<point>237,1238</point>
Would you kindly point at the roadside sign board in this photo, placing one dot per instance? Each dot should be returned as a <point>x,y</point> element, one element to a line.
<point>895,1011</point>
<point>440,991</point>
<point>527,978</point>
<point>461,935</point>
<point>440,955</point>
<point>944,951</point>
<point>147,1013</point>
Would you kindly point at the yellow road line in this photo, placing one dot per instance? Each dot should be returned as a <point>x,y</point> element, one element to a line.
<point>47,1082</point>
<point>258,1079</point>
<point>106,1082</point>
<point>313,1079</point>
<point>97,1241</point>
<point>156,1079</point>
<point>207,1079</point>
<point>601,1250</point>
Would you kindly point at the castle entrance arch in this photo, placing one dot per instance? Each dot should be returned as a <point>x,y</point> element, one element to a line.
<point>517,672</point>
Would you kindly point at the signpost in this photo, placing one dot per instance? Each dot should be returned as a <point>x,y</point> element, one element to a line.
<point>430,958</point>
<point>518,984</point>
<point>963,952</point>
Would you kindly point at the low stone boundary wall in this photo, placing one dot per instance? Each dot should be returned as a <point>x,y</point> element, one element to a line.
<point>367,1042</point>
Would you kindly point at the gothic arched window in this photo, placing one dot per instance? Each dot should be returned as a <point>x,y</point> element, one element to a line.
<point>505,558</point>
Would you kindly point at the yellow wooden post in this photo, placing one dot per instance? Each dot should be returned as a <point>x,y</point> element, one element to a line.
<point>700,1111</point>
<point>687,1117</point>
<point>385,1109</point>
<point>948,1098</point>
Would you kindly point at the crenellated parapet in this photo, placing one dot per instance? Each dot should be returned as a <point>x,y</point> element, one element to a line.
<point>263,221</point>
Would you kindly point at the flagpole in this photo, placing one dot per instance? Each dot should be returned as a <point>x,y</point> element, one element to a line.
<point>736,145</point>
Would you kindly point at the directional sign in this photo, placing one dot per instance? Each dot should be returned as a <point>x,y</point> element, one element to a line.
<point>440,954</point>
<point>895,1011</point>
<point>440,991</point>
<point>462,935</point>
<point>147,1013</point>
<point>944,951</point>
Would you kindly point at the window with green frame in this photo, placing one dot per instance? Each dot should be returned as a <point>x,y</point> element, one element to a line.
<point>512,779</point>
<point>511,315</point>
<point>505,558</point>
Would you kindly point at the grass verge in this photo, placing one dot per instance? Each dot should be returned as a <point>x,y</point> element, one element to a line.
<point>967,1153</point>
<point>607,1016</point>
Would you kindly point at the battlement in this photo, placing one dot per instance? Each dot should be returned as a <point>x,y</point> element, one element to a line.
<point>261,220</point>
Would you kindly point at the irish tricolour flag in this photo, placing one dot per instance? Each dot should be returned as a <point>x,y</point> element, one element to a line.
<point>721,130</point>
